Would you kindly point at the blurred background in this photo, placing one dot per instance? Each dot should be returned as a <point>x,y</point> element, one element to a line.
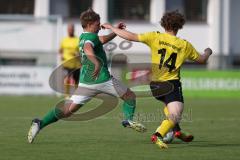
<point>31,31</point>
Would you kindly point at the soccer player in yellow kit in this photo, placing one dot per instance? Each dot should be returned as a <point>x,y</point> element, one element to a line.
<point>70,60</point>
<point>168,54</point>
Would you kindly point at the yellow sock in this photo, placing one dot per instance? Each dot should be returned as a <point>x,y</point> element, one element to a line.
<point>166,112</point>
<point>165,127</point>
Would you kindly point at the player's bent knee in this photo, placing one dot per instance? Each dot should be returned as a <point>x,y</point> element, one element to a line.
<point>129,95</point>
<point>175,118</point>
<point>69,109</point>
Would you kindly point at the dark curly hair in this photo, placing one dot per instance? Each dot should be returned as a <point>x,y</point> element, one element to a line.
<point>88,17</point>
<point>172,21</point>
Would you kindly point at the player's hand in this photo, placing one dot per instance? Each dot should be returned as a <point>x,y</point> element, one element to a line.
<point>106,26</point>
<point>96,71</point>
<point>121,25</point>
<point>208,51</point>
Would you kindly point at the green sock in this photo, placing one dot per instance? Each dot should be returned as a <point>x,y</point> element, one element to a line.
<point>51,117</point>
<point>129,109</point>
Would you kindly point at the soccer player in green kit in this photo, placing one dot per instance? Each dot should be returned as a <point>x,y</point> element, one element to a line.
<point>94,75</point>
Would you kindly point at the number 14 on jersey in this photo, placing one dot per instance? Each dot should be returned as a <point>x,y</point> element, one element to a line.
<point>169,62</point>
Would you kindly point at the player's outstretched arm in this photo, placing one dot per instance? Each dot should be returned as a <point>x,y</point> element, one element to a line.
<point>122,32</point>
<point>204,57</point>
<point>109,37</point>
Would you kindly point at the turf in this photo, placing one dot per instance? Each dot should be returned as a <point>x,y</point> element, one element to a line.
<point>214,123</point>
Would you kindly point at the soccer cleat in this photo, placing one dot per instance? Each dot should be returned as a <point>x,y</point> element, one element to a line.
<point>158,141</point>
<point>134,125</point>
<point>183,136</point>
<point>34,129</point>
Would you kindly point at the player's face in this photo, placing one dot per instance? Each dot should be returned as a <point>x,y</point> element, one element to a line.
<point>95,26</point>
<point>70,30</point>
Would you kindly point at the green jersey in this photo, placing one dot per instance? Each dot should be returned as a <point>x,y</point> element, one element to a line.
<point>87,66</point>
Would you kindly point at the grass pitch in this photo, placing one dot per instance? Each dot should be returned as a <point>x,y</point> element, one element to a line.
<point>214,123</point>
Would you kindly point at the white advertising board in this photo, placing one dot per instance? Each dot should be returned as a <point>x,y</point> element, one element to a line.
<point>19,80</point>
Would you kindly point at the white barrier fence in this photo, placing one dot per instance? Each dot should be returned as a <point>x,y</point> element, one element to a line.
<point>19,80</point>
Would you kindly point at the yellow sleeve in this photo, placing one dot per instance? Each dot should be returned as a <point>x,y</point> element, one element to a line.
<point>192,52</point>
<point>147,38</point>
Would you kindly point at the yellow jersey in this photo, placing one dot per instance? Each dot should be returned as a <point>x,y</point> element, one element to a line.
<point>69,47</point>
<point>168,54</point>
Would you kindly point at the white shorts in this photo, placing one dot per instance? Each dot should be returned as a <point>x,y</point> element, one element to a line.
<point>86,92</point>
